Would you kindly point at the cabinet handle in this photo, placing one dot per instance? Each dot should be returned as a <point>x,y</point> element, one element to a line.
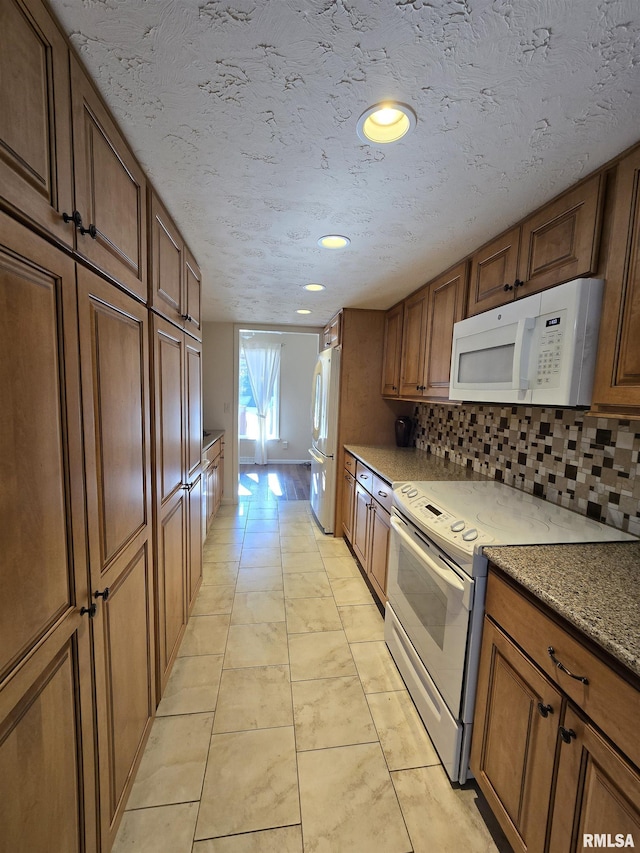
<point>104,595</point>
<point>364,476</point>
<point>507,287</point>
<point>545,710</point>
<point>383,494</point>
<point>563,668</point>
<point>73,217</point>
<point>91,610</point>
<point>92,231</point>
<point>187,318</point>
<point>567,735</point>
<point>517,283</point>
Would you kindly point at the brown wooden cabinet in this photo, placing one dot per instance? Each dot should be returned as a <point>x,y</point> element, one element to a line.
<point>214,456</point>
<point>617,380</point>
<point>413,344</point>
<point>114,348</point>
<point>36,181</point>
<point>332,332</point>
<point>348,504</point>
<point>558,243</point>
<point>391,362</point>
<point>555,756</point>
<point>47,735</point>
<point>174,276</point>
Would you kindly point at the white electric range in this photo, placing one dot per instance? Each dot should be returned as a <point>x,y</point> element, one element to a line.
<point>436,589</point>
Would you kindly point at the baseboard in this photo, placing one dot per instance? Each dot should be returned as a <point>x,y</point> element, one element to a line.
<point>247,460</point>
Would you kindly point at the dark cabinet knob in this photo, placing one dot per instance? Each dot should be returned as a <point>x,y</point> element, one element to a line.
<point>517,283</point>
<point>567,735</point>
<point>92,231</point>
<point>91,610</point>
<point>104,595</point>
<point>73,217</point>
<point>507,287</point>
<point>544,710</point>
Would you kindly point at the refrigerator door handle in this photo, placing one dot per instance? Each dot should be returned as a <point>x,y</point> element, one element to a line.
<point>317,456</point>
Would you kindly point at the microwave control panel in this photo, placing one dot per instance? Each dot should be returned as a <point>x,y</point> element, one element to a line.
<point>550,350</point>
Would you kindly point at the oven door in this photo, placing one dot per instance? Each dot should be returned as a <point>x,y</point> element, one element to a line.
<point>432,599</point>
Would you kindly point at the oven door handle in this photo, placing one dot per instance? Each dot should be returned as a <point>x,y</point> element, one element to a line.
<point>449,577</point>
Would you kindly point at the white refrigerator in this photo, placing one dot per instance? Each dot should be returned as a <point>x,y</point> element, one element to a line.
<point>324,425</point>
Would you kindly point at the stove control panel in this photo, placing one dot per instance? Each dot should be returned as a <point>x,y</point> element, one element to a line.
<point>437,521</point>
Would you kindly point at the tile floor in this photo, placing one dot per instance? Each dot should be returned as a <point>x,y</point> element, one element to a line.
<point>285,725</point>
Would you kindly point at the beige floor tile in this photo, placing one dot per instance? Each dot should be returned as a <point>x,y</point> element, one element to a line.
<point>251,783</point>
<point>294,562</point>
<point>324,654</point>
<point>262,539</point>
<point>298,544</point>
<point>162,829</point>
<point>253,558</point>
<point>333,548</point>
<point>331,712</point>
<point>341,567</point>
<point>254,698</point>
<point>440,817</point>
<point>205,635</point>
<point>297,528</point>
<point>174,760</point>
<point>193,686</point>
<point>261,579</point>
<point>350,591</point>
<point>306,585</point>
<point>226,520</point>
<point>362,622</point>
<point>220,553</point>
<point>376,667</point>
<point>252,607</point>
<point>214,600</point>
<point>224,536</point>
<point>294,509</point>
<point>348,802</point>
<point>312,614</point>
<point>264,644</point>
<point>262,525</point>
<point>402,734</point>
<point>262,512</point>
<point>286,839</point>
<point>222,574</point>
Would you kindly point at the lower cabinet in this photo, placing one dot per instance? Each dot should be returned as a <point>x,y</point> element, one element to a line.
<point>549,773</point>
<point>214,456</point>
<point>366,521</point>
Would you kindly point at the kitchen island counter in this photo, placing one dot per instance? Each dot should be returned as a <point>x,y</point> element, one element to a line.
<point>594,587</point>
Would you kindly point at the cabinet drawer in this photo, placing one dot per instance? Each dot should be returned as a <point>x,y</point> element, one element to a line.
<point>364,476</point>
<point>607,699</point>
<point>381,491</point>
<point>350,463</point>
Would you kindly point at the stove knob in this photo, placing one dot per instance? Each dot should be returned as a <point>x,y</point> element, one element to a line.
<point>412,493</point>
<point>470,535</point>
<point>457,526</point>
<point>405,488</point>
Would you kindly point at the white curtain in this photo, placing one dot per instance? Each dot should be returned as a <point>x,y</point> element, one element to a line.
<point>263,365</point>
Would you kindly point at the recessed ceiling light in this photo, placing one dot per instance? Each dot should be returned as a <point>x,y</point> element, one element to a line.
<point>333,241</point>
<point>386,122</point>
<point>314,288</point>
<point>303,311</point>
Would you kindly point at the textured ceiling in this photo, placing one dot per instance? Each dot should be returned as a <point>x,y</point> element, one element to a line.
<point>243,113</point>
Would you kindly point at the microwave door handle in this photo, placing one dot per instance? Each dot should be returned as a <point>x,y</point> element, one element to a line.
<point>524,335</point>
<point>449,577</point>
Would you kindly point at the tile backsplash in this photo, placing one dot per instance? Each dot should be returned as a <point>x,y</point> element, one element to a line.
<point>588,464</point>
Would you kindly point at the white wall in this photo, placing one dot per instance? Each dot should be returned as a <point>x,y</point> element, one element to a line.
<point>219,393</point>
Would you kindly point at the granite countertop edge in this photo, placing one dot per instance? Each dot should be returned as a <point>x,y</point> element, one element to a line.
<point>396,464</point>
<point>212,436</point>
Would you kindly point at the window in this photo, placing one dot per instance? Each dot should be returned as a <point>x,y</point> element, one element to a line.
<point>248,426</point>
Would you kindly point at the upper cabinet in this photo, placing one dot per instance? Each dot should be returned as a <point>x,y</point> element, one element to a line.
<point>392,351</point>
<point>556,244</point>
<point>617,381</point>
<point>332,332</point>
<point>174,276</point>
<point>35,119</point>
<point>110,191</point>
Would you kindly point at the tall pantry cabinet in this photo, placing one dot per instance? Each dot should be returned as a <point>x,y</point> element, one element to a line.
<point>82,432</point>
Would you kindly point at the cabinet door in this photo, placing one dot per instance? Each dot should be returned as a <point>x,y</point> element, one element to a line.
<point>47,748</point>
<point>114,346</point>
<point>617,380</point>
<point>212,476</point>
<point>561,241</point>
<point>192,295</point>
<point>348,498</point>
<point>597,792</point>
<point>494,270</point>
<point>35,118</point>
<point>445,307</point>
<point>392,351</point>
<point>167,263</point>
<point>515,734</point>
<point>360,541</point>
<point>379,549</point>
<point>110,190</point>
<point>413,345</point>
<point>193,407</point>
<point>194,539</point>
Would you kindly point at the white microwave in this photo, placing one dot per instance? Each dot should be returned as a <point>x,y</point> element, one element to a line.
<point>539,350</point>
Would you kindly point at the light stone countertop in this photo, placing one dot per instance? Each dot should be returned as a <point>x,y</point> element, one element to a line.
<point>594,587</point>
<point>212,435</point>
<point>395,464</point>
